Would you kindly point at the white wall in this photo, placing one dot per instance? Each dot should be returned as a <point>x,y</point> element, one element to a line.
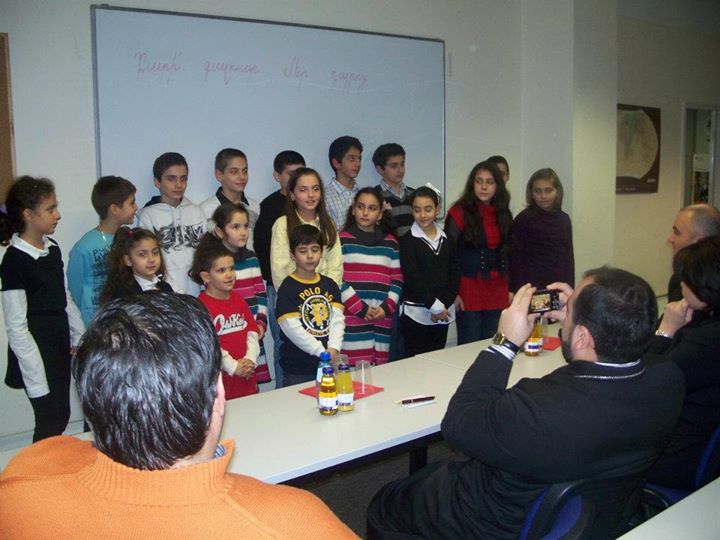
<point>547,94</point>
<point>594,96</point>
<point>51,63</point>
<point>662,66</point>
<point>535,80</point>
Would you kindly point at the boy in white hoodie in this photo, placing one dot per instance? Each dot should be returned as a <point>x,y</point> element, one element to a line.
<point>178,223</point>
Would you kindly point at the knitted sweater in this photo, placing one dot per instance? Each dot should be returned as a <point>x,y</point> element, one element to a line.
<point>542,249</point>
<point>249,284</point>
<point>63,488</point>
<point>372,275</point>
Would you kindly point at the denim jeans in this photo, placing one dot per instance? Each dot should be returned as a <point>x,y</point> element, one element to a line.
<point>476,325</point>
<point>275,333</point>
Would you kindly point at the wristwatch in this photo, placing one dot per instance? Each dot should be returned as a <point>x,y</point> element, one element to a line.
<point>500,340</point>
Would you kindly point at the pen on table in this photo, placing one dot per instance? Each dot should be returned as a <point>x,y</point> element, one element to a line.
<point>418,399</point>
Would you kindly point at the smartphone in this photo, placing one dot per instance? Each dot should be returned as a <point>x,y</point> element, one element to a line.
<point>545,300</point>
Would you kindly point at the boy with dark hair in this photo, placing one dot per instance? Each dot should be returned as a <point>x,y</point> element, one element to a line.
<point>176,221</point>
<point>309,310</point>
<point>345,156</point>
<point>271,208</point>
<point>231,170</point>
<point>113,198</point>
<point>389,161</point>
<point>501,164</point>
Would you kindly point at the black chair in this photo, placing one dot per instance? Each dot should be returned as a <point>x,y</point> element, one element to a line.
<point>591,508</point>
<point>657,498</point>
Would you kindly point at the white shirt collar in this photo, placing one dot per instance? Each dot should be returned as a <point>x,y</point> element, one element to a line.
<point>28,248</point>
<point>417,232</point>
<point>147,284</point>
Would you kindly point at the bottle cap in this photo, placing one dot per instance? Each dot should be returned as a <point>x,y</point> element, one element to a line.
<point>325,356</point>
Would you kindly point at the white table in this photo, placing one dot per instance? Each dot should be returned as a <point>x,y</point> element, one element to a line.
<point>696,517</point>
<point>462,357</point>
<point>280,435</point>
<point>297,440</point>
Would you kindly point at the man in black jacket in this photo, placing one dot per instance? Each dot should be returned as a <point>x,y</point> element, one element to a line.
<point>603,415</point>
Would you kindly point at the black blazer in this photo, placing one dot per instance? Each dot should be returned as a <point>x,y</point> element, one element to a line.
<point>583,420</point>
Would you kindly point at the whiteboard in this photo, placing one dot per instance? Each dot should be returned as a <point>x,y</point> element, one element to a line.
<point>196,84</point>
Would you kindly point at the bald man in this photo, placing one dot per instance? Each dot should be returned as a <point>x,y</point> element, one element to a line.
<point>692,223</point>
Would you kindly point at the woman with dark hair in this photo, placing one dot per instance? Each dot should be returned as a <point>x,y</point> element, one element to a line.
<point>479,224</point>
<point>689,334</point>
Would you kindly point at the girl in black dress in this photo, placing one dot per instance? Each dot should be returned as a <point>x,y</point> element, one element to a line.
<point>40,318</point>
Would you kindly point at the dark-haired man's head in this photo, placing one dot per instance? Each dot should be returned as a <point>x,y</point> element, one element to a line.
<point>611,317</point>
<point>147,371</point>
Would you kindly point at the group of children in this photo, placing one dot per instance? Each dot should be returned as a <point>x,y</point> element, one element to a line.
<point>341,269</point>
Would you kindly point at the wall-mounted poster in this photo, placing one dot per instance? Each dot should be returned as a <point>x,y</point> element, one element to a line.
<point>638,149</point>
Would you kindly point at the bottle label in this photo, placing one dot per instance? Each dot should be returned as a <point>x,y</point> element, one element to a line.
<point>345,400</point>
<point>532,346</point>
<point>328,403</point>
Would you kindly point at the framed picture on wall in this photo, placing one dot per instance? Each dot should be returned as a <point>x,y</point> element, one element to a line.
<point>638,149</point>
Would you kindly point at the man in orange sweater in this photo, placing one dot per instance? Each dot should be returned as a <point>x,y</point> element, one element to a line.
<point>148,375</point>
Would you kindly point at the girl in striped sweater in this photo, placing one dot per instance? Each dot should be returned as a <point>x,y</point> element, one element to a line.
<point>232,227</point>
<point>372,279</point>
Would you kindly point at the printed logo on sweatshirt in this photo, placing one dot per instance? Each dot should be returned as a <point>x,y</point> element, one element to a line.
<point>176,237</point>
<point>316,311</point>
<point>234,323</point>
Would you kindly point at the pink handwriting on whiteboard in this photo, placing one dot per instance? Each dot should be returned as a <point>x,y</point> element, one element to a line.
<point>230,70</point>
<point>163,71</point>
<point>296,71</point>
<point>348,81</point>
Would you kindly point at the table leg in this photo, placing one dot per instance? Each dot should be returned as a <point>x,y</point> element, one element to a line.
<point>418,458</point>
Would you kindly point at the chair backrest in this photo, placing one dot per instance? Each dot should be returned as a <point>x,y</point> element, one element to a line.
<point>590,508</point>
<point>709,466</point>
